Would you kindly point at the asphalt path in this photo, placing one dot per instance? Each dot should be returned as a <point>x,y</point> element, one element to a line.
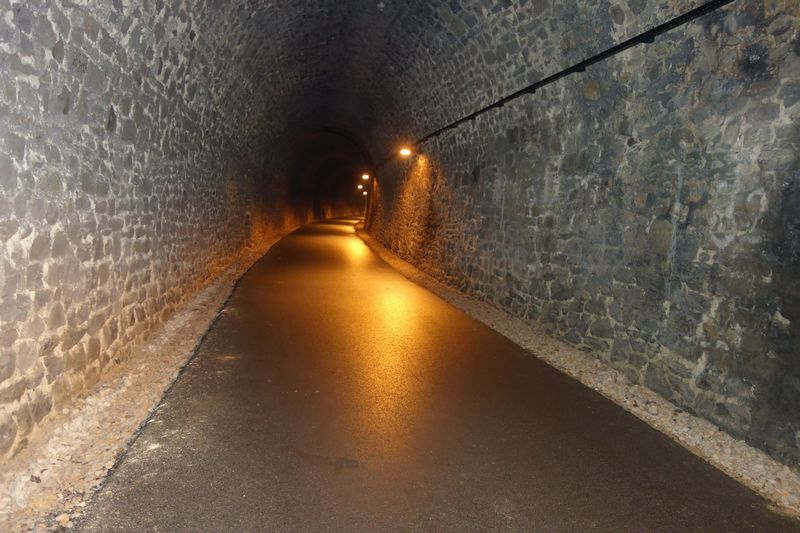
<point>334,394</point>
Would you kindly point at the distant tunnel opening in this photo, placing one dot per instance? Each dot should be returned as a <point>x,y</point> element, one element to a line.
<point>326,165</point>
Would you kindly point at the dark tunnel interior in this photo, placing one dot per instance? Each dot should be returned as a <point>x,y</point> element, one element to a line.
<point>641,208</point>
<point>326,165</point>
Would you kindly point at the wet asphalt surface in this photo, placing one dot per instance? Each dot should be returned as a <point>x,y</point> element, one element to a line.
<point>334,394</point>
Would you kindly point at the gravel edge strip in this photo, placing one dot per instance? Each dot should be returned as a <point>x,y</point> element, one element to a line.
<point>753,468</point>
<point>46,486</point>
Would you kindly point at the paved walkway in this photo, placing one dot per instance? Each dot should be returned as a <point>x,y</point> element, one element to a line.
<point>334,394</point>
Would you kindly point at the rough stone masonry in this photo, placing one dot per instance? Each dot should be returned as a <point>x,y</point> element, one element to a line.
<point>647,210</point>
<point>129,177</point>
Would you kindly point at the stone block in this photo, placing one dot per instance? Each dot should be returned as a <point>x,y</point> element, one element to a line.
<point>8,173</point>
<point>8,432</point>
<point>8,363</point>
<point>54,366</point>
<point>8,334</point>
<point>15,145</point>
<point>12,390</point>
<point>24,420</point>
<point>40,247</point>
<point>40,405</point>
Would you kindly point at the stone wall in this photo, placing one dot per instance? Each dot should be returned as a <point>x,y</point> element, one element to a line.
<point>647,210</point>
<point>130,175</point>
<point>644,210</point>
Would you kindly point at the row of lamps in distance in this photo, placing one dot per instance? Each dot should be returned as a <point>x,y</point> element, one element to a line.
<point>404,152</point>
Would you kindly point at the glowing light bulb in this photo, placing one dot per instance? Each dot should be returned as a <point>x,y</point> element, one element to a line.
<point>360,186</point>
<point>364,177</point>
<point>364,193</point>
<point>405,152</point>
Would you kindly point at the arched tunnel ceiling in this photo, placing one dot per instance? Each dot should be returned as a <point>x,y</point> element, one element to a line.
<point>145,145</point>
<point>386,72</point>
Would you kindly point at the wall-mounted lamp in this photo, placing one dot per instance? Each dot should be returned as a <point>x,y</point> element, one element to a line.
<point>365,177</point>
<point>405,152</point>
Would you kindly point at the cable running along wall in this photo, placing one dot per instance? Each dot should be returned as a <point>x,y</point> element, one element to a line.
<point>643,38</point>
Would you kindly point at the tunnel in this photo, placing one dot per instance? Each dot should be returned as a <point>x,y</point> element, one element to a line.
<point>619,179</point>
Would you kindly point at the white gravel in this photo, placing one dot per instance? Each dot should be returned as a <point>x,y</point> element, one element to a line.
<point>753,468</point>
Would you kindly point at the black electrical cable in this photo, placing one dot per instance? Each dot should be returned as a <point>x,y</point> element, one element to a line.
<point>643,38</point>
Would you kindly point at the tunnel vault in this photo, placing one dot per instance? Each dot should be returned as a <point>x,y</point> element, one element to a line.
<point>325,165</point>
<point>641,211</point>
